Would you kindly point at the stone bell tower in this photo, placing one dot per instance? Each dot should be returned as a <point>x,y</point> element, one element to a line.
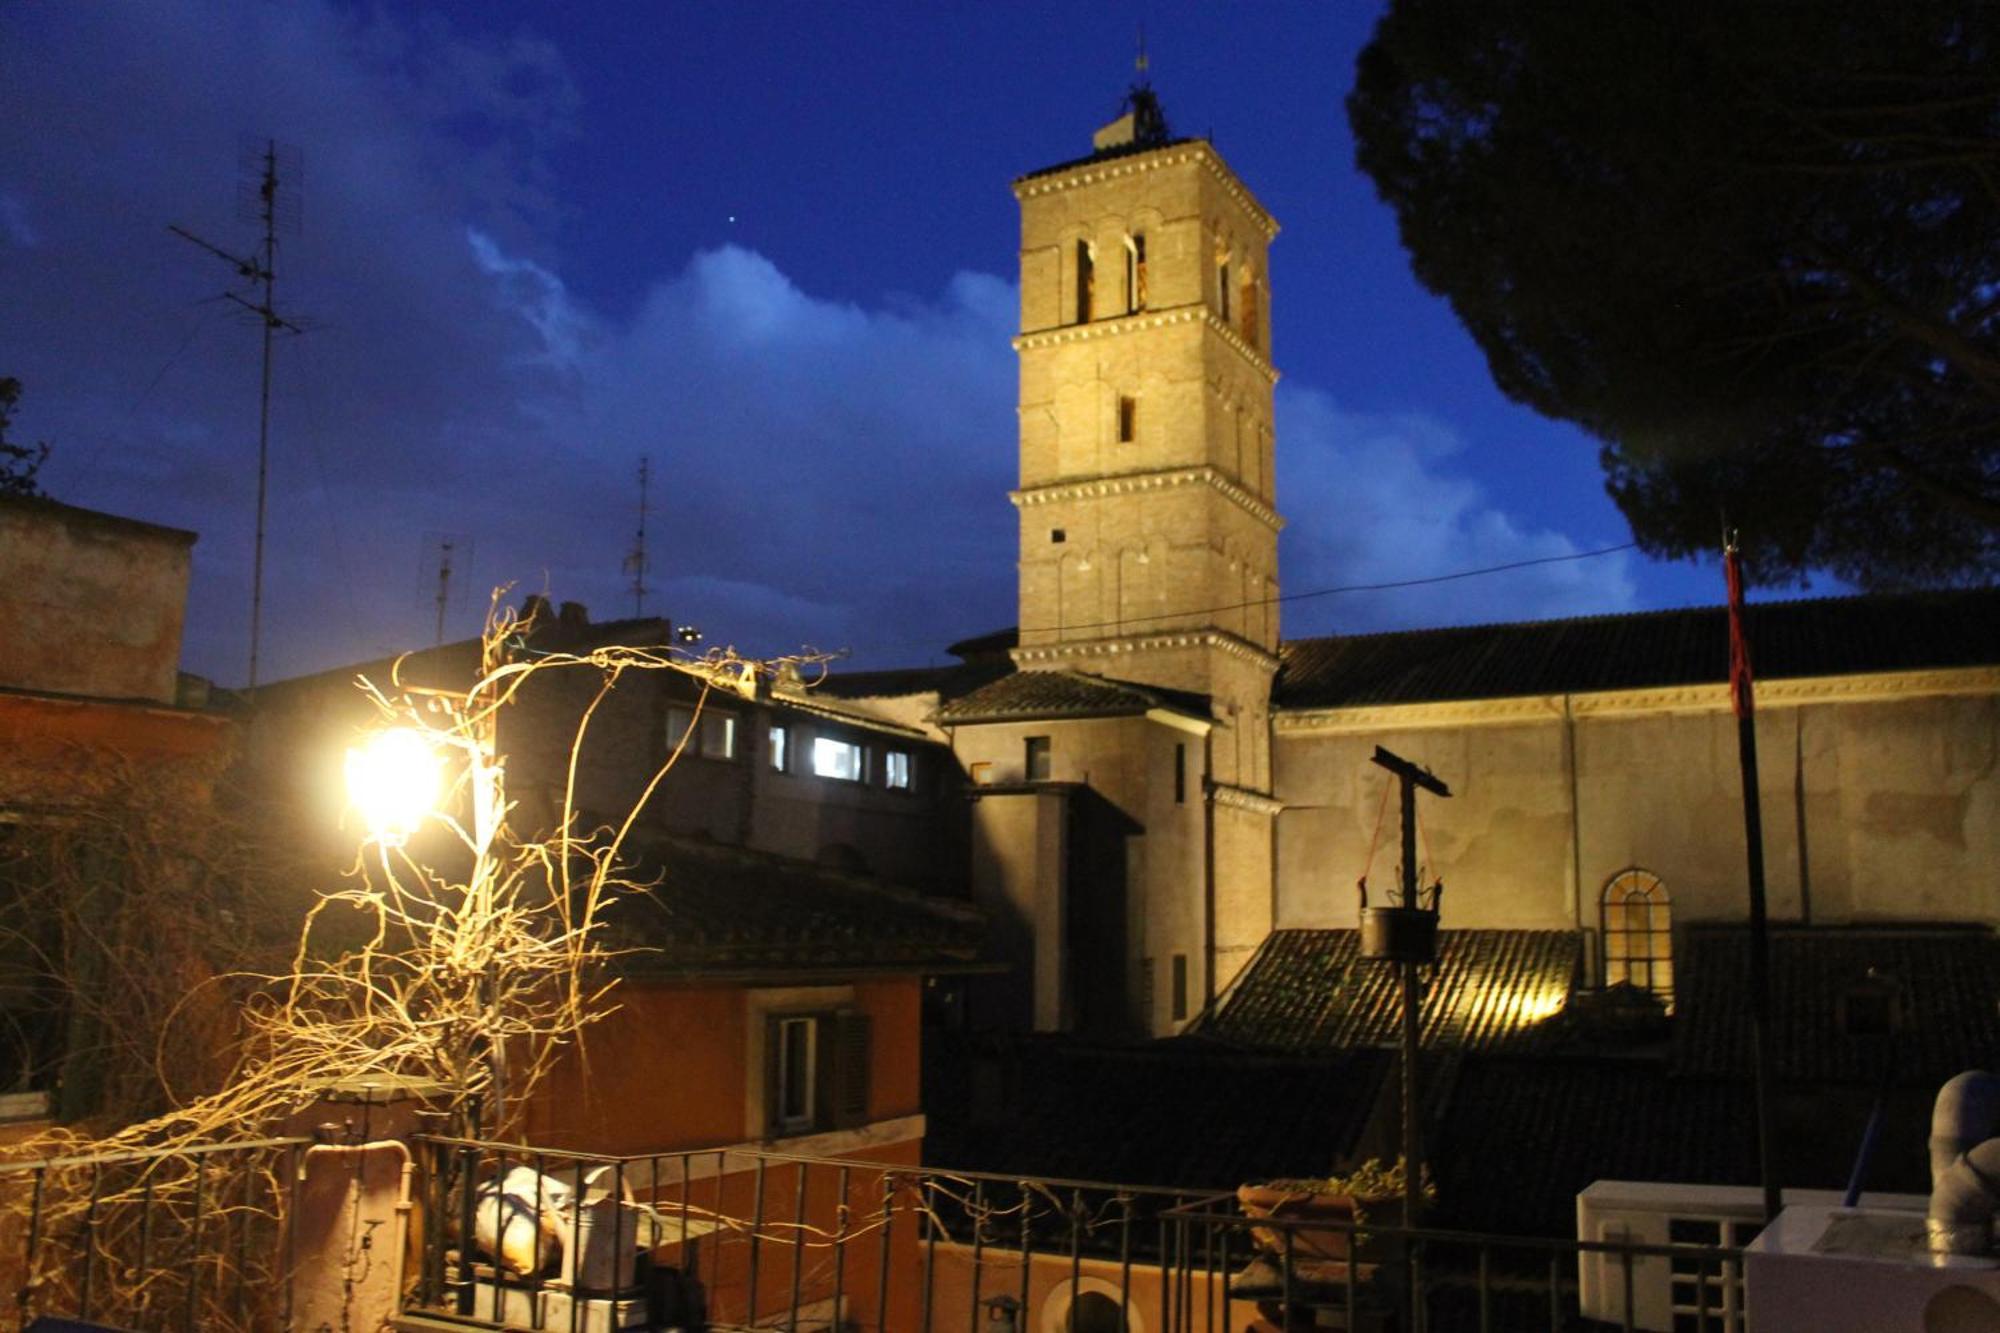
<point>1149,533</point>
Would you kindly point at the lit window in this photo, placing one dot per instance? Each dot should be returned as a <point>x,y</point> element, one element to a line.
<point>717,732</point>
<point>1128,420</point>
<point>1638,929</point>
<point>834,758</point>
<point>981,772</point>
<point>781,748</point>
<point>896,770</point>
<point>718,736</point>
<point>1038,766</point>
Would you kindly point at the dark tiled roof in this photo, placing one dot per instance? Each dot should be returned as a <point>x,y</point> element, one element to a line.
<point>724,909</point>
<point>1037,694</point>
<point>1310,990</point>
<point>1525,1135</point>
<point>1821,637</point>
<point>1951,978</point>
<point>1164,1113</point>
<point>1132,149</point>
<point>947,682</point>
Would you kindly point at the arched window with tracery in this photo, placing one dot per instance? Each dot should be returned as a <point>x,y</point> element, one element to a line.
<point>1635,917</point>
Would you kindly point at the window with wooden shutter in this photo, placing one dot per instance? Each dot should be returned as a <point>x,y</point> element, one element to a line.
<point>852,1049</point>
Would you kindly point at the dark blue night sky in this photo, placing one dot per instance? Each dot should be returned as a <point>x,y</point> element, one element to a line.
<point>771,247</point>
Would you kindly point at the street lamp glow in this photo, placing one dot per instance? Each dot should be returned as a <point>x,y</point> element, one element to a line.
<point>393,779</point>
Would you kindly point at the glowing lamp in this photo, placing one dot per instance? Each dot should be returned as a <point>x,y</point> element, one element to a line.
<point>393,780</point>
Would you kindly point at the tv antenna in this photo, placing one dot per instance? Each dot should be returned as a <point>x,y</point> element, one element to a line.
<point>636,563</point>
<point>445,548</point>
<point>268,193</point>
<point>445,559</point>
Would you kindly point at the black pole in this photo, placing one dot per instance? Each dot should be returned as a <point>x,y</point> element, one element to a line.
<point>1412,1002</point>
<point>1409,777</point>
<point>1742,698</point>
<point>1760,967</point>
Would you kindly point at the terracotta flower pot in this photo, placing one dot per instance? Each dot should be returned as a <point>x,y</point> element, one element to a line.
<point>1336,1211</point>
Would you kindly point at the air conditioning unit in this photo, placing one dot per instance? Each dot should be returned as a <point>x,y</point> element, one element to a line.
<point>1669,1292</point>
<point>1825,1269</point>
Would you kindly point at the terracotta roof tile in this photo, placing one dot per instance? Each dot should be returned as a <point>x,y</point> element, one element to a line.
<point>1821,637</point>
<point>717,908</point>
<point>1038,694</point>
<point>1310,990</point>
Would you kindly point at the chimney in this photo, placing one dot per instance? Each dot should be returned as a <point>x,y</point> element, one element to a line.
<point>535,613</point>
<point>574,618</point>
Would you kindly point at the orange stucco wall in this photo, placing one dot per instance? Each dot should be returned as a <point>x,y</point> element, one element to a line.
<point>669,1070</point>
<point>838,1250</point>
<point>48,745</point>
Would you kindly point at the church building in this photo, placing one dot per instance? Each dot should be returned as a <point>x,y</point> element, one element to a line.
<point>1164,792</point>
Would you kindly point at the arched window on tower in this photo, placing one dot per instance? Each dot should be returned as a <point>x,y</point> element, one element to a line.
<point>1635,917</point>
<point>1086,281</point>
<point>1252,316</point>
<point>1135,273</point>
<point>1222,281</point>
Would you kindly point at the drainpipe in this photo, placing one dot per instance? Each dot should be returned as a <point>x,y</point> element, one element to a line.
<point>1965,1165</point>
<point>1208,869</point>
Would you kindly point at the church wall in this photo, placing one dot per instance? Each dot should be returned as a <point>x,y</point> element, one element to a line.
<point>1502,840</point>
<point>1243,880</point>
<point>1898,799</point>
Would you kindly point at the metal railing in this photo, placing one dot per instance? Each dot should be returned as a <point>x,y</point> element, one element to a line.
<point>732,1239</point>
<point>1303,1271</point>
<point>192,1238</point>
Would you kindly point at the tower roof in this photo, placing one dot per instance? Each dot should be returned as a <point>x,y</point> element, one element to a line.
<point>1140,127</point>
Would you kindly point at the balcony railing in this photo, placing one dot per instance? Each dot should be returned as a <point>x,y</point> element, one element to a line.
<point>515,1237</point>
<point>729,1239</point>
<point>174,1239</point>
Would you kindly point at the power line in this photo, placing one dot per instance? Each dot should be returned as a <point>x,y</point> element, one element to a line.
<point>1342,588</point>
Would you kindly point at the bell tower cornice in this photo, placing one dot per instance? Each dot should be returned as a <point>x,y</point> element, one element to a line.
<point>1191,313</point>
<point>1134,483</point>
<point>1101,167</point>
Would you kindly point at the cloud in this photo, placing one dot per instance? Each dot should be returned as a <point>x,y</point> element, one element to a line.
<point>1384,498</point>
<point>14,224</point>
<point>823,472</point>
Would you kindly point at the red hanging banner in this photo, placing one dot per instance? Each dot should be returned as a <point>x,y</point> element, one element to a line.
<point>1739,644</point>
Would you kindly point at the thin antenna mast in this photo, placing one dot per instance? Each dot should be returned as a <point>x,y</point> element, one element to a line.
<point>444,584</point>
<point>635,563</point>
<point>264,203</point>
